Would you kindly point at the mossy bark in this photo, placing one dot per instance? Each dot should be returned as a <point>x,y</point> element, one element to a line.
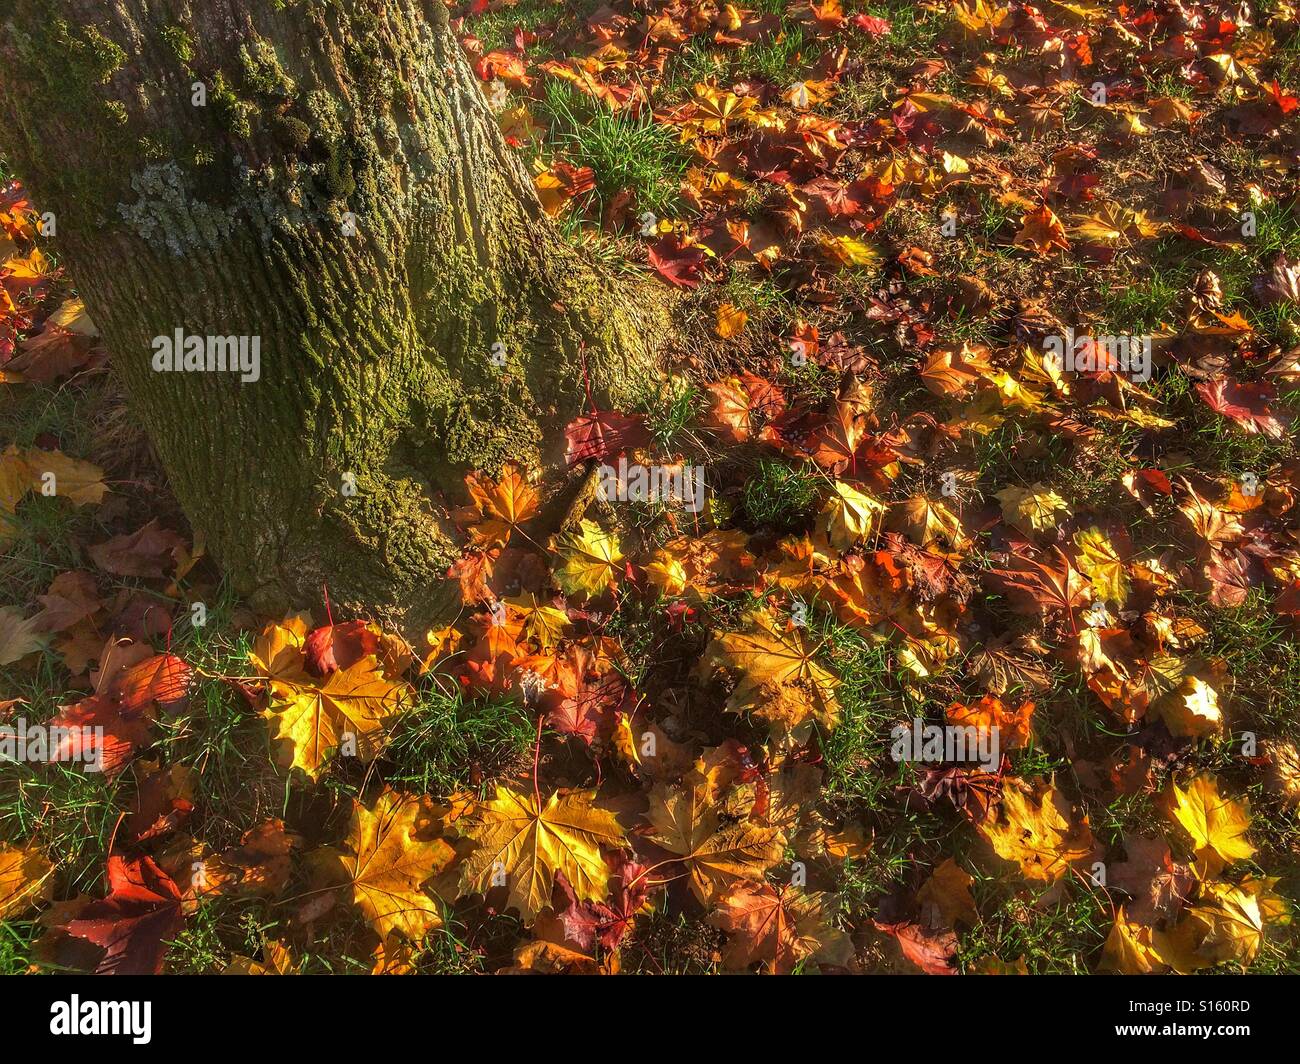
<point>322,118</point>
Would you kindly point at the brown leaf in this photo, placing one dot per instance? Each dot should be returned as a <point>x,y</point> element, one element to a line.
<point>148,552</point>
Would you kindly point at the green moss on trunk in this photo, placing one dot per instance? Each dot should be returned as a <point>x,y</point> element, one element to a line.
<point>346,197</point>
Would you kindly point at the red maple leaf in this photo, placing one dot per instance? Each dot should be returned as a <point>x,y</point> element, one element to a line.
<point>1247,405</point>
<point>589,713</point>
<point>339,646</point>
<point>604,434</point>
<point>872,25</point>
<point>676,264</point>
<point>162,680</point>
<point>97,731</point>
<point>141,912</point>
<point>932,949</point>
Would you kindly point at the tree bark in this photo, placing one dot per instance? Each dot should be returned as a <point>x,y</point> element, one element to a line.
<point>322,118</point>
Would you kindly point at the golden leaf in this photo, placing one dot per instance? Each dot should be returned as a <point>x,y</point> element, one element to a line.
<point>849,251</point>
<point>278,651</point>
<point>731,321</point>
<point>1032,509</point>
<point>24,879</point>
<point>687,823</point>
<point>780,680</point>
<point>79,482</point>
<point>1130,948</point>
<point>1217,825</point>
<point>1041,231</point>
<point>1233,918</point>
<point>392,853</point>
<point>346,712</point>
<point>522,846</point>
<point>851,515</point>
<point>505,504</point>
<point>1099,561</point>
<point>926,521</point>
<point>589,559</point>
<point>1191,710</point>
<point>1041,837</point>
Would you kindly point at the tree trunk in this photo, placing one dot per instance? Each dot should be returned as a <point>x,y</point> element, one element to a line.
<point>344,195</point>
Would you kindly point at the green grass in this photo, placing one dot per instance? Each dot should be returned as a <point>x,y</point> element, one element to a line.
<point>470,942</point>
<point>16,940</point>
<point>447,738</point>
<point>782,59</point>
<point>675,405</point>
<point>779,496</point>
<point>219,735</point>
<point>1058,938</point>
<point>67,812</point>
<point>1157,294</point>
<point>627,153</point>
<point>858,768</point>
<point>496,29</point>
<point>221,925</point>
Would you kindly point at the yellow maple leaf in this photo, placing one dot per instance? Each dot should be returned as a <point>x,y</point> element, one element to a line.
<point>276,960</point>
<point>717,856</point>
<point>1217,825</point>
<point>666,572</point>
<point>539,620</point>
<point>926,521</point>
<point>345,714</point>
<point>1131,948</point>
<point>780,680</point>
<point>1034,508</point>
<point>979,18</point>
<point>519,125</point>
<point>1100,562</point>
<point>278,652</point>
<point>505,503</point>
<point>716,107</point>
<point>31,268</point>
<point>521,845</point>
<point>392,851</point>
<point>849,251</point>
<point>1233,918</point>
<point>555,193</point>
<point>1191,710</point>
<point>851,515</point>
<point>24,879</point>
<point>54,473</point>
<point>589,559</point>
<point>731,321</point>
<point>15,478</point>
<point>1040,837</point>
